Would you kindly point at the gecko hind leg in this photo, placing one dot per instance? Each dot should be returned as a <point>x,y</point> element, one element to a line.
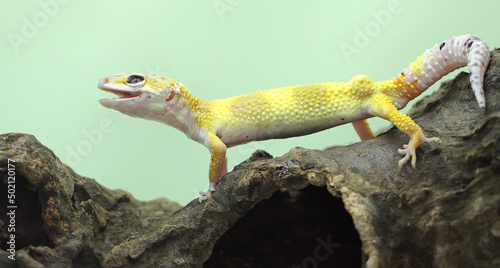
<point>383,107</point>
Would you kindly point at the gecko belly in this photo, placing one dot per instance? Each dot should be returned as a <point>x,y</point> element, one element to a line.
<point>280,129</point>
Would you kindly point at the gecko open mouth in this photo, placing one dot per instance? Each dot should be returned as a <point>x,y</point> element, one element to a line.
<point>122,94</point>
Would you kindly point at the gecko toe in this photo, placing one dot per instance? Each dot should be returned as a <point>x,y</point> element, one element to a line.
<point>408,153</point>
<point>205,195</point>
<point>433,139</point>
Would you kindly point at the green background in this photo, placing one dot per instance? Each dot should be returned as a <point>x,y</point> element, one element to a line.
<point>54,52</point>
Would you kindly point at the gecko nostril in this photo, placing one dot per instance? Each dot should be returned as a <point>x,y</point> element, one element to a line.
<point>102,82</point>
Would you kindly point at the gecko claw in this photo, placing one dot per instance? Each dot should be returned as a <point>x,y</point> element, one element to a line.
<point>205,195</point>
<point>409,152</point>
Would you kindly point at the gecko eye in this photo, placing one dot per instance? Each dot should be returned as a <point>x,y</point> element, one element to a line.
<point>135,80</point>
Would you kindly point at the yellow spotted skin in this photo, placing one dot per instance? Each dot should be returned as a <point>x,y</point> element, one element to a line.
<point>300,110</point>
<point>288,111</point>
<point>296,110</point>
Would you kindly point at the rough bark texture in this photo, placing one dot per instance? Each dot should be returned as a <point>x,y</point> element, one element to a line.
<point>445,213</point>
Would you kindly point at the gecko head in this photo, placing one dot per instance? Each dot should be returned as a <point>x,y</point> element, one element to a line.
<point>140,95</point>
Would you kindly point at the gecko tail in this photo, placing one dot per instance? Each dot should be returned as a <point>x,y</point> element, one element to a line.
<point>451,54</point>
<point>478,58</point>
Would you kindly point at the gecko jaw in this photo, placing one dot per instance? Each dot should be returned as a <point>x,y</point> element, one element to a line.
<point>122,94</point>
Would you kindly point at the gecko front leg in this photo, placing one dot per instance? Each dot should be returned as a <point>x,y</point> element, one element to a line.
<point>218,165</point>
<point>363,129</point>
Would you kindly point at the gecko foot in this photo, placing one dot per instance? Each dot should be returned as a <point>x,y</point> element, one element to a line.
<point>205,195</point>
<point>409,151</point>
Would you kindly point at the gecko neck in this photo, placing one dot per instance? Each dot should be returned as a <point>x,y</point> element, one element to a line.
<point>182,113</point>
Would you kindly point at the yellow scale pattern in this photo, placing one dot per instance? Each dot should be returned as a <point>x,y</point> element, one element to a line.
<point>297,105</point>
<point>312,105</point>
